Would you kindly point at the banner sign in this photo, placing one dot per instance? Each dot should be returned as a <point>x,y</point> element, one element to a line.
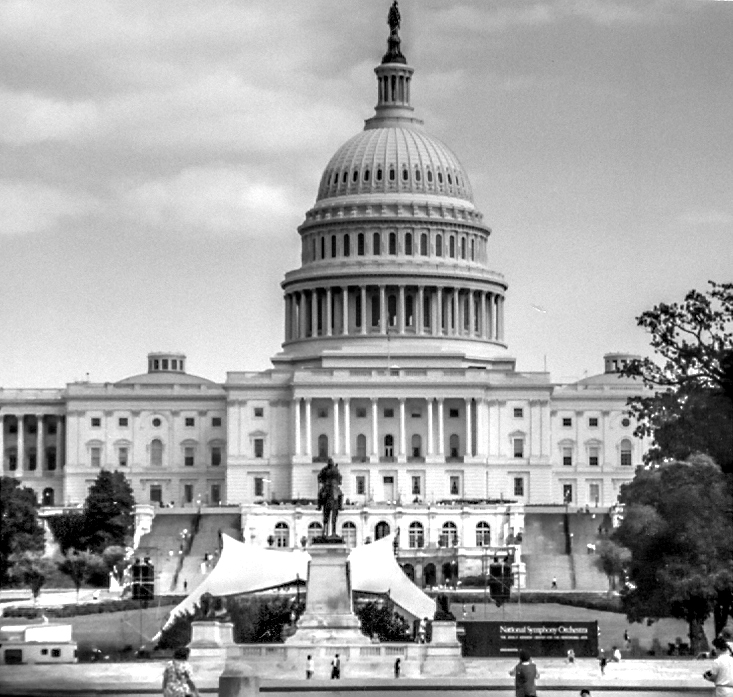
<point>539,638</point>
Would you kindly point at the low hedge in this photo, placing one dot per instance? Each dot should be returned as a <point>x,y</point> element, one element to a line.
<point>96,608</point>
<point>589,601</point>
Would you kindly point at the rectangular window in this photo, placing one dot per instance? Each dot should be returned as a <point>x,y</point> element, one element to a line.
<point>519,486</point>
<point>55,653</point>
<point>593,422</point>
<point>626,458</point>
<point>190,421</point>
<point>259,486</point>
<point>454,483</point>
<point>322,413</point>
<point>51,428</point>
<point>156,493</point>
<point>216,421</point>
<point>188,456</point>
<point>567,493</point>
<point>416,414</point>
<point>188,493</point>
<point>96,422</point>
<point>122,457</point>
<point>519,447</point>
<point>215,456</point>
<point>389,413</point>
<point>96,456</point>
<point>360,484</point>
<point>567,457</point>
<point>594,494</point>
<point>259,446</point>
<point>259,412</point>
<point>32,460</point>
<point>416,485</point>
<point>593,457</point>
<point>453,413</point>
<point>361,413</point>
<point>215,492</point>
<point>567,422</point>
<point>518,412</point>
<point>122,422</point>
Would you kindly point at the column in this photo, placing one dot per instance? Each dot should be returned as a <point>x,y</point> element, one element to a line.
<point>296,406</point>
<point>347,428</point>
<point>375,430</point>
<point>490,318</point>
<point>364,313</point>
<point>469,430</point>
<point>456,325</point>
<point>329,312</point>
<point>401,452</point>
<point>39,443</point>
<point>336,429</point>
<point>301,316</point>
<point>420,310</point>
<point>441,428</point>
<point>482,323</point>
<point>382,310</point>
<point>431,450</point>
<point>439,322</point>
<point>287,317</point>
<point>500,318</point>
<point>401,310</point>
<point>308,439</point>
<point>61,442</point>
<point>345,310</point>
<point>314,312</point>
<point>21,443</point>
<point>471,314</point>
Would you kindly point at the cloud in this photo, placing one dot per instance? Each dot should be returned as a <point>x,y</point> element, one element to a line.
<point>702,218</point>
<point>29,207</point>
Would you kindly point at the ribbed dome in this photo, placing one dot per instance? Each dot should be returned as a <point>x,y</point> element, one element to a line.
<point>394,159</point>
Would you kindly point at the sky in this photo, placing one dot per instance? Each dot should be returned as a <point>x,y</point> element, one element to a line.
<point>157,157</point>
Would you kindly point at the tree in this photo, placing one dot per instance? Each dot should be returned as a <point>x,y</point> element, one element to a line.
<point>19,527</point>
<point>115,560</point>
<point>380,620</point>
<point>108,512</point>
<point>80,566</point>
<point>31,569</point>
<point>691,408</point>
<point>69,529</point>
<point>678,529</point>
<point>613,560</point>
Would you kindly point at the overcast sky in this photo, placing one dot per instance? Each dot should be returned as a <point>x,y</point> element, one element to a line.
<point>156,159</point>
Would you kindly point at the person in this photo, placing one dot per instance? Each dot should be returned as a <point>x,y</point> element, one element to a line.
<point>721,672</point>
<point>602,661</point>
<point>336,668</point>
<point>627,640</point>
<point>571,656</point>
<point>185,585</point>
<point>616,655</point>
<point>177,676</point>
<point>525,675</point>
<point>397,667</point>
<point>309,667</point>
<point>585,693</point>
<point>554,583</point>
<point>421,630</point>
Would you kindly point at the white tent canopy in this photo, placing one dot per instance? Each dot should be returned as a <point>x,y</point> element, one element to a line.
<point>245,568</point>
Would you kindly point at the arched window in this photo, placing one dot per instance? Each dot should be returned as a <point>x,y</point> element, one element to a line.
<point>389,445</point>
<point>409,311</point>
<point>381,530</point>
<point>344,176</point>
<point>347,246</point>
<point>313,249</point>
<point>361,452</point>
<point>430,176</point>
<point>440,177</point>
<point>426,312</point>
<point>357,308</point>
<point>366,174</point>
<point>452,247</point>
<point>375,244</point>
<point>625,452</point>
<point>355,176</point>
<point>450,180</point>
<point>473,250</point>
<point>418,175</point>
<point>408,244</point>
<point>416,445</point>
<point>463,247</point>
<point>333,246</point>
<point>375,311</point>
<point>323,447</point>
<point>439,245</point>
<point>405,175</point>
<point>348,533</point>
<point>360,244</point>
<point>48,497</point>
<point>409,571</point>
<point>449,535</point>
<point>282,535</point>
<point>323,247</point>
<point>454,445</point>
<point>416,535</point>
<point>156,453</point>
<point>379,174</point>
<point>483,534</point>
<point>424,244</point>
<point>429,575</point>
<point>392,309</point>
<point>392,243</point>
<point>315,529</point>
<point>392,174</point>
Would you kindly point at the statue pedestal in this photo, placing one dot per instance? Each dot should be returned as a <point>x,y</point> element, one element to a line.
<point>329,614</point>
<point>443,653</point>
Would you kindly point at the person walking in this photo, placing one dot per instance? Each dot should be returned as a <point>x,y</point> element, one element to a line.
<point>721,672</point>
<point>309,667</point>
<point>397,667</point>
<point>553,585</point>
<point>602,661</point>
<point>336,668</point>
<point>525,676</point>
<point>178,676</point>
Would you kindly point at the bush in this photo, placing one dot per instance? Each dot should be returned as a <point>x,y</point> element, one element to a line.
<point>85,609</point>
<point>590,601</point>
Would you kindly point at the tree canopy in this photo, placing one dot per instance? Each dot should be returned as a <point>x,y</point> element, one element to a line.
<point>19,527</point>
<point>108,511</point>
<point>32,570</point>
<point>678,528</point>
<point>691,408</point>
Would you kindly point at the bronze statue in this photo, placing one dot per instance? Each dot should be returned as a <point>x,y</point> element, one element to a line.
<point>393,18</point>
<point>393,55</point>
<point>330,497</point>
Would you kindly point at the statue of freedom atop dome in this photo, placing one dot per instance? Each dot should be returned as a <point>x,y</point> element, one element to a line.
<point>393,18</point>
<point>330,497</point>
<point>393,55</point>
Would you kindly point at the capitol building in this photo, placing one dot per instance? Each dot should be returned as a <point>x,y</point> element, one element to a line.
<point>394,363</point>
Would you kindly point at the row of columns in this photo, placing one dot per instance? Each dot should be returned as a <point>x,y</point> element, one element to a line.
<point>303,445</point>
<point>21,444</point>
<point>334,311</point>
